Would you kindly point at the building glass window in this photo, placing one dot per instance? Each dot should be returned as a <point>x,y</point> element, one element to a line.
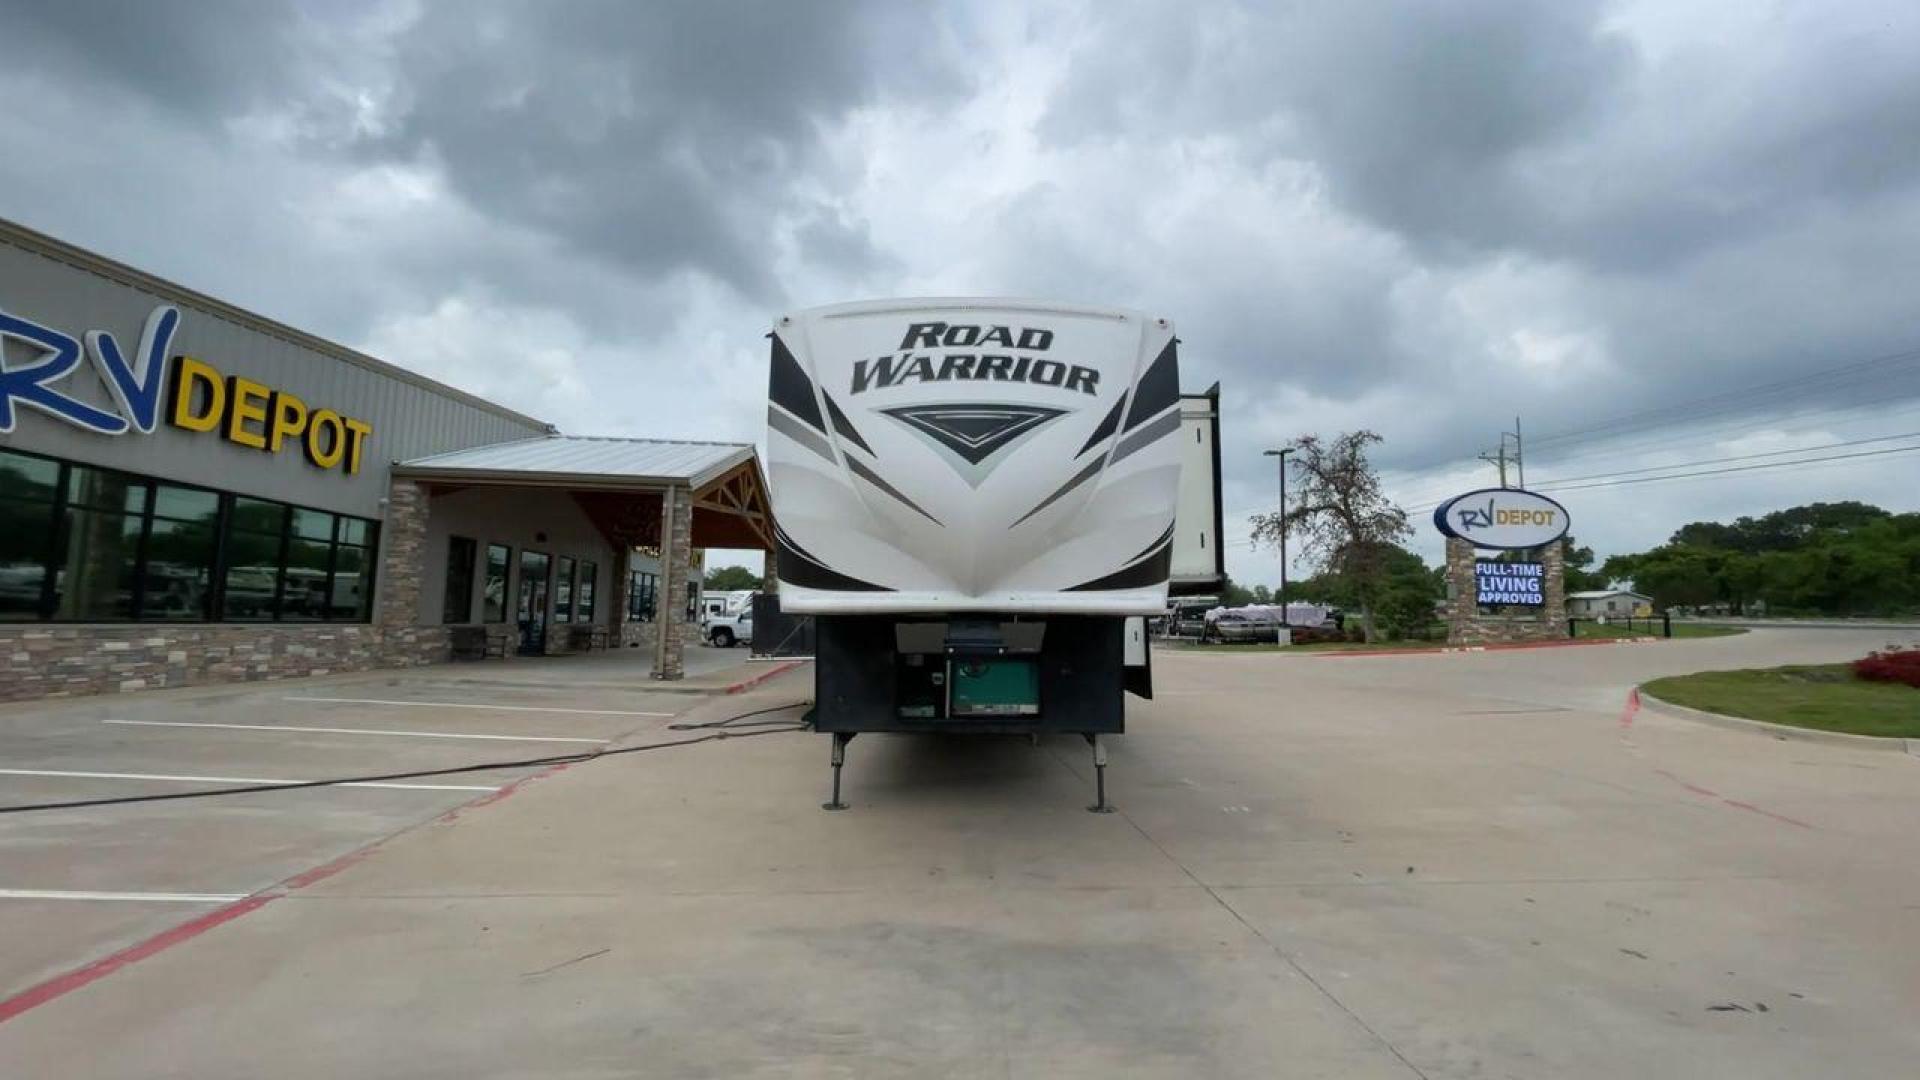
<point>457,607</point>
<point>28,486</point>
<point>563,591</point>
<point>493,602</point>
<point>350,589</point>
<point>80,544</point>
<point>178,582</point>
<point>589,574</point>
<point>303,576</point>
<point>255,530</point>
<point>641,586</point>
<point>99,546</point>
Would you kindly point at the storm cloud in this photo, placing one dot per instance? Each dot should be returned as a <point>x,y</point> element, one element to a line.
<point>1423,218</point>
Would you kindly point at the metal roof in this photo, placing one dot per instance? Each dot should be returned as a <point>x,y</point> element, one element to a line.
<point>586,460</point>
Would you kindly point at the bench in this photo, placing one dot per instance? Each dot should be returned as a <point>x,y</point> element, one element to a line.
<point>478,642</point>
<point>587,638</point>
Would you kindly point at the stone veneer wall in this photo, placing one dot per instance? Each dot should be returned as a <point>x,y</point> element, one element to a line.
<point>1467,626</point>
<point>39,660</point>
<point>637,635</point>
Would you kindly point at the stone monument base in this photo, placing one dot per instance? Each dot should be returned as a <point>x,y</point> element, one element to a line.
<point>1468,625</point>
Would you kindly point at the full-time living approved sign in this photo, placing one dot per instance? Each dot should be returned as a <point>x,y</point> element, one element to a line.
<point>1497,583</point>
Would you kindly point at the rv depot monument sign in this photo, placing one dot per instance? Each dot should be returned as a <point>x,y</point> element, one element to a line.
<point>1506,567</point>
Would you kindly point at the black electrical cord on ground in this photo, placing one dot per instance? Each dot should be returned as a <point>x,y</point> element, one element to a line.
<point>733,720</point>
<point>523,763</point>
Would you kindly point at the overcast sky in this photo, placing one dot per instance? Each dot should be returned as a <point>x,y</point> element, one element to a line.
<point>1422,218</point>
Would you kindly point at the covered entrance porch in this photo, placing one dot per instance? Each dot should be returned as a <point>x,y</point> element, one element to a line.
<point>565,545</point>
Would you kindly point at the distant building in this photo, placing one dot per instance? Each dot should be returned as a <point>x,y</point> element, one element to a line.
<point>1608,602</point>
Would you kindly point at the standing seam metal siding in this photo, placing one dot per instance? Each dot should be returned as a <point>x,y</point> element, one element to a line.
<point>409,420</point>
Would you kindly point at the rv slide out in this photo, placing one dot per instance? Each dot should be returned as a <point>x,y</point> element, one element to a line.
<point>975,501</point>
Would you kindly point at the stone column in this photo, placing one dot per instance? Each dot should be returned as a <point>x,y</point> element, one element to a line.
<point>1553,563</point>
<point>615,595</point>
<point>676,561</point>
<point>769,572</point>
<point>1462,610</point>
<point>396,604</point>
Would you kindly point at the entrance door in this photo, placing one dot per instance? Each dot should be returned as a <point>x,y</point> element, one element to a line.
<point>533,602</point>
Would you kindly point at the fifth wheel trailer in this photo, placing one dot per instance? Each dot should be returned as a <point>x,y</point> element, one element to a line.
<point>976,502</point>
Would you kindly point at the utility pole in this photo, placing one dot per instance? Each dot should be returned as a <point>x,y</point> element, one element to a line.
<point>1282,455</point>
<point>1500,457</point>
<point>1519,459</point>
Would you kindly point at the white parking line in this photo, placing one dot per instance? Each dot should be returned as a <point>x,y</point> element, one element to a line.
<point>470,705</point>
<point>236,780</point>
<point>354,731</point>
<point>147,897</point>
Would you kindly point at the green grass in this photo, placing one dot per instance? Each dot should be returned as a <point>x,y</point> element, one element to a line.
<point>1825,697</point>
<point>1439,640</point>
<point>1586,629</point>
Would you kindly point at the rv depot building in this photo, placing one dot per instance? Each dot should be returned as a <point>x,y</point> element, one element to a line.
<point>190,493</point>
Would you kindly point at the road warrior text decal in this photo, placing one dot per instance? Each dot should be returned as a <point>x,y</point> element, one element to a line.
<point>911,367</point>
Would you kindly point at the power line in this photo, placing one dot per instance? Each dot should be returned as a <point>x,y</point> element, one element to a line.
<point>1608,479</point>
<point>1736,457</point>
<point>1733,399</point>
<point>1736,469</point>
<point>1431,497</point>
<point>1714,432</point>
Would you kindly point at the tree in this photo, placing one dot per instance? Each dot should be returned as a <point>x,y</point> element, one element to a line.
<point>1406,603</point>
<point>1234,594</point>
<point>731,579</point>
<point>1580,574</point>
<point>1347,526</point>
<point>1844,558</point>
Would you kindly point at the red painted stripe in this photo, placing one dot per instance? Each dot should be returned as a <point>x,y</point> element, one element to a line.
<point>73,980</point>
<point>1749,807</point>
<point>1631,710</point>
<point>755,680</point>
<point>68,982</point>
<point>504,792</point>
<point>1709,793</point>
<point>326,870</point>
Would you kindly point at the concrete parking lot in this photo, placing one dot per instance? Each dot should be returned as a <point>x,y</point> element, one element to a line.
<point>1410,866</point>
<point>76,883</point>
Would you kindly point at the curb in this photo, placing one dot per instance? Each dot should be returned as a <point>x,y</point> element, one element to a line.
<point>773,671</point>
<point>1777,731</point>
<point>1497,647</point>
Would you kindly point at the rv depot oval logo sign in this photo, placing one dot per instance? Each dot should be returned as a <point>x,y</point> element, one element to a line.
<point>1502,518</point>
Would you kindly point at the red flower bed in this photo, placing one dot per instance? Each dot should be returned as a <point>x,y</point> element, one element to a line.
<point>1901,666</point>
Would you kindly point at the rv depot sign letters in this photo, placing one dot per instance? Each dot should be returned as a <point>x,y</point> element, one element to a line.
<point>198,397</point>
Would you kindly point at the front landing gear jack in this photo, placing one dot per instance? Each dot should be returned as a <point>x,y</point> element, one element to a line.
<point>1100,804</point>
<point>840,741</point>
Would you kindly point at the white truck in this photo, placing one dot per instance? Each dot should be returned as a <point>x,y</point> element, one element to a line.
<point>975,500</point>
<point>726,618</point>
<point>724,631</point>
